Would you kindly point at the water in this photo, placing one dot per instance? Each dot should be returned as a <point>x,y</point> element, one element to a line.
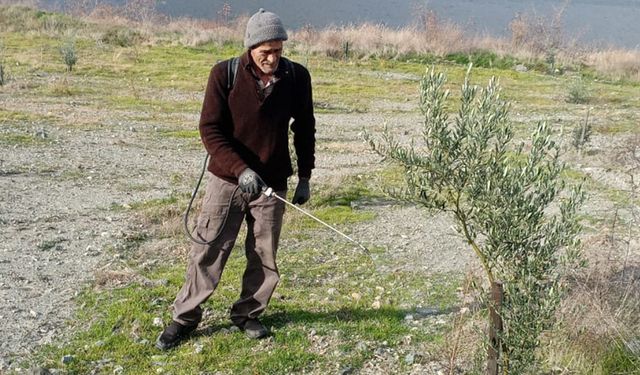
<point>598,22</point>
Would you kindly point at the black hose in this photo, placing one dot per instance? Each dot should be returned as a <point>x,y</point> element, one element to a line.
<point>193,197</point>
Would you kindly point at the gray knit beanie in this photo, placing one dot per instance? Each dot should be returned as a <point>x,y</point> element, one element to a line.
<point>262,27</point>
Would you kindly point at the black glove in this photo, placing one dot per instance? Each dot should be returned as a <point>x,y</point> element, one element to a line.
<point>250,182</point>
<point>302,193</point>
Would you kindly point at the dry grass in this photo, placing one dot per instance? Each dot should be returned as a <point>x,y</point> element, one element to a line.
<point>616,63</point>
<point>533,38</point>
<point>600,317</point>
<point>195,32</point>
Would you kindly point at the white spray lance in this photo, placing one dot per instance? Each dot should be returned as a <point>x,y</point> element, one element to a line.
<point>270,193</point>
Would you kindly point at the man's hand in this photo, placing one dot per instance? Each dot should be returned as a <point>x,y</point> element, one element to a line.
<point>302,193</point>
<point>250,182</point>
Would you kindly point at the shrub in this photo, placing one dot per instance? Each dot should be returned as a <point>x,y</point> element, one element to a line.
<point>68,51</point>
<point>504,200</point>
<point>483,59</point>
<point>122,37</point>
<point>578,92</point>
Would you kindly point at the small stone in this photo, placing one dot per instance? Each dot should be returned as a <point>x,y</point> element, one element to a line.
<point>409,359</point>
<point>118,370</point>
<point>198,348</point>
<point>346,370</point>
<point>39,371</point>
<point>33,314</point>
<point>332,291</point>
<point>312,332</point>
<point>361,346</point>
<point>426,311</point>
<point>376,304</point>
<point>356,296</point>
<point>67,359</point>
<point>520,68</point>
<point>408,317</point>
<point>234,329</point>
<point>157,322</point>
<point>464,310</point>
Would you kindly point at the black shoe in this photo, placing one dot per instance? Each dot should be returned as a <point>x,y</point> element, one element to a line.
<point>253,329</point>
<point>173,334</point>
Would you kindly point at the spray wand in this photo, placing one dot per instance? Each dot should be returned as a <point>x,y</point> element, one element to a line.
<point>270,193</point>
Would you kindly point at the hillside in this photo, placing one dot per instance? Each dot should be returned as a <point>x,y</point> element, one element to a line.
<point>98,163</point>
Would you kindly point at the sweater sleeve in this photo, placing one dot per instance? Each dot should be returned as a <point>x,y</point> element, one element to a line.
<point>304,124</point>
<point>215,124</point>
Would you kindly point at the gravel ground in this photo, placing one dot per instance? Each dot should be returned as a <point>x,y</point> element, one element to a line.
<point>59,229</point>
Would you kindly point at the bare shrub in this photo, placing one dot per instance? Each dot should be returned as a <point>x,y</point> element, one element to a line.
<point>80,8</point>
<point>140,10</point>
<point>537,33</point>
<point>438,36</point>
<point>22,3</point>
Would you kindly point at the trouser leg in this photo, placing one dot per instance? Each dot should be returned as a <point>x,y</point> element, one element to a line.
<point>206,262</point>
<point>264,223</point>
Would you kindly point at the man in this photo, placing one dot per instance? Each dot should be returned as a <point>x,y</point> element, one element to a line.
<point>245,130</point>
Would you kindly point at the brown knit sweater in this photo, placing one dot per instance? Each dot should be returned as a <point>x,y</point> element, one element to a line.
<point>247,132</point>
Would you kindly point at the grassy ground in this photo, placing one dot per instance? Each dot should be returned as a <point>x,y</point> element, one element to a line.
<point>332,312</point>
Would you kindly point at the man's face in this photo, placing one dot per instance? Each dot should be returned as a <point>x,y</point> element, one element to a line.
<point>266,56</point>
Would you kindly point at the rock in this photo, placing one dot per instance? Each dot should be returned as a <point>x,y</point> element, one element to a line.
<point>520,68</point>
<point>157,322</point>
<point>376,304</point>
<point>409,359</point>
<point>426,311</point>
<point>67,359</point>
<point>332,291</point>
<point>39,371</point>
<point>346,370</point>
<point>356,296</point>
<point>234,329</point>
<point>408,317</point>
<point>361,346</point>
<point>198,348</point>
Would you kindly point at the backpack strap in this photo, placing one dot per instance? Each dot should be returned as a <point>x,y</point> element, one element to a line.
<point>232,71</point>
